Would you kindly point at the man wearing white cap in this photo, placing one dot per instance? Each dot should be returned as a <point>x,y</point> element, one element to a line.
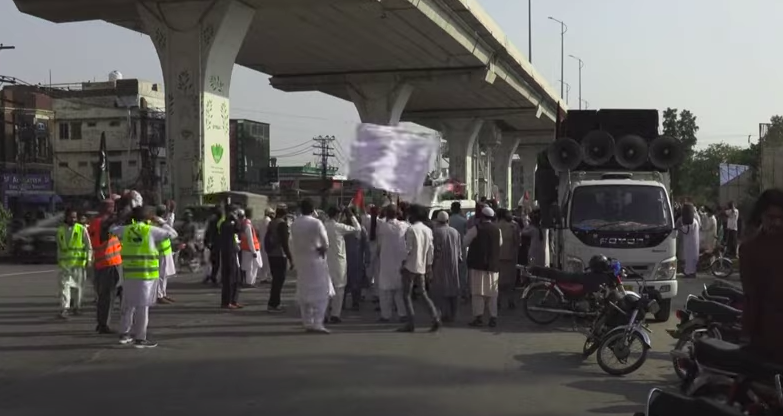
<point>483,241</point>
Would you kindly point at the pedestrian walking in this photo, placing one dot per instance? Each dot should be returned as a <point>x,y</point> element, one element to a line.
<point>447,257</point>
<point>417,265</point>
<point>484,240</point>
<point>107,262</point>
<point>74,251</point>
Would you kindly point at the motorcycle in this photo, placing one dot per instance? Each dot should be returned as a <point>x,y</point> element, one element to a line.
<point>553,293</point>
<point>724,294</point>
<point>189,258</point>
<point>610,315</point>
<point>716,262</point>
<point>702,318</point>
<point>618,341</point>
<point>733,375</point>
<point>666,403</point>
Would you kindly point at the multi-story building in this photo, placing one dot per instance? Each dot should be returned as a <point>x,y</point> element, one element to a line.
<point>250,162</point>
<point>26,150</point>
<point>129,113</point>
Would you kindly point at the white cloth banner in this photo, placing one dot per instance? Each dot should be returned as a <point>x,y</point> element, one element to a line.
<point>392,158</point>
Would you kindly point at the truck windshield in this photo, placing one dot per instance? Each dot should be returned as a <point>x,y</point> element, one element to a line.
<point>620,208</point>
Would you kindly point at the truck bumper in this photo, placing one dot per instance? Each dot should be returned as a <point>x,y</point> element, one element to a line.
<point>667,288</point>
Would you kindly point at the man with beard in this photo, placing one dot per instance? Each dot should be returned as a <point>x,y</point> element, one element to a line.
<point>212,242</point>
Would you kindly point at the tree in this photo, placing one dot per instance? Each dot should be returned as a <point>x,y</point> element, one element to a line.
<point>681,126</point>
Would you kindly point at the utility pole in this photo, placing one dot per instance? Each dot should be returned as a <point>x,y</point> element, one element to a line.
<point>323,147</point>
<point>563,30</point>
<point>530,31</point>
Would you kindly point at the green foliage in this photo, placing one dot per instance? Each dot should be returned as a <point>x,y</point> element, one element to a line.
<point>5,221</point>
<point>682,126</point>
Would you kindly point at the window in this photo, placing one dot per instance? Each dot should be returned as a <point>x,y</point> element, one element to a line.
<point>114,123</point>
<point>91,124</point>
<point>63,164</point>
<point>620,208</point>
<point>64,131</point>
<point>76,131</point>
<point>115,170</point>
<point>82,164</point>
<point>131,163</point>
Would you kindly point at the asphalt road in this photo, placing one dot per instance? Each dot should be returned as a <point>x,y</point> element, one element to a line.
<point>249,362</point>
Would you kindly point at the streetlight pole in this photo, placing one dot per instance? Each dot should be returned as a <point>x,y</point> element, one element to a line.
<point>563,30</point>
<point>530,31</point>
<point>587,104</point>
<point>568,91</point>
<point>581,65</point>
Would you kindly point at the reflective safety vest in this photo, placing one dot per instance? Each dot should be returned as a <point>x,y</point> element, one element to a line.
<point>164,247</point>
<point>106,253</point>
<point>73,252</point>
<point>140,260</point>
<point>243,243</point>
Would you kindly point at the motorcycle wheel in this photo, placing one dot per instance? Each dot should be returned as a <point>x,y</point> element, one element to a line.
<point>541,297</point>
<point>681,368</point>
<point>591,346</point>
<point>608,344</point>
<point>722,268</point>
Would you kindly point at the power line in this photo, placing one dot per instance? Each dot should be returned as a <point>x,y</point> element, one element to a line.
<point>283,149</point>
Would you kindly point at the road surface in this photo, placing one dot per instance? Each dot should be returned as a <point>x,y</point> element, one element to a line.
<point>250,363</point>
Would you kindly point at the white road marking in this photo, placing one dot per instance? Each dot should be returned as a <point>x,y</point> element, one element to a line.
<point>26,273</point>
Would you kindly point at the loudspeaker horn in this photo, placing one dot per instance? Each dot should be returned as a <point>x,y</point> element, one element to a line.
<point>564,154</point>
<point>631,151</point>
<point>666,152</point>
<point>597,147</point>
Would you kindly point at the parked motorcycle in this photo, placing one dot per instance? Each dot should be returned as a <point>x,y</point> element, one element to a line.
<point>610,314</point>
<point>715,262</point>
<point>702,318</point>
<point>553,293</point>
<point>724,294</point>
<point>617,342</point>
<point>735,376</point>
<point>666,403</point>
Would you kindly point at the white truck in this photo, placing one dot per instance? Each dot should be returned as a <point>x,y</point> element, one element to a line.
<point>623,215</point>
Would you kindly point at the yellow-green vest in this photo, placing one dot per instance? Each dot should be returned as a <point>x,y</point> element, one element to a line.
<point>139,259</point>
<point>73,252</point>
<point>164,247</point>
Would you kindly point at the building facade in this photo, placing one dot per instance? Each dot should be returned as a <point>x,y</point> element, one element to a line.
<point>26,156</point>
<point>250,161</point>
<point>129,113</point>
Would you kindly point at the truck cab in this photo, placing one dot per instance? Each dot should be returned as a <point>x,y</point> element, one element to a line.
<point>627,216</point>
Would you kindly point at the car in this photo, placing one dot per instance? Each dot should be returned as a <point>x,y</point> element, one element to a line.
<point>38,243</point>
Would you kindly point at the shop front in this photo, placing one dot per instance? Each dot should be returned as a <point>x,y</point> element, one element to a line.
<point>29,193</point>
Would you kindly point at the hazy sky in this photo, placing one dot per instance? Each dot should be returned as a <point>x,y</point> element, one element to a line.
<point>718,58</point>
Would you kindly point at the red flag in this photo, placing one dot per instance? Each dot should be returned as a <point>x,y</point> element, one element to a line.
<point>358,199</point>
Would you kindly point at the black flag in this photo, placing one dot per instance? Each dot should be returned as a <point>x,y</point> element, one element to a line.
<point>102,188</point>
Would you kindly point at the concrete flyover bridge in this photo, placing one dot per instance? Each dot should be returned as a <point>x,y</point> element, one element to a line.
<point>440,63</point>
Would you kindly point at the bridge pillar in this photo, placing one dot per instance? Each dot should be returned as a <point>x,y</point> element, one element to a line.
<point>461,135</point>
<point>197,44</point>
<point>489,140</point>
<point>380,102</point>
<point>528,154</point>
<point>501,169</point>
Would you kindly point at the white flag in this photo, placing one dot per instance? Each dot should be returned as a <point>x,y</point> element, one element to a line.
<point>392,158</point>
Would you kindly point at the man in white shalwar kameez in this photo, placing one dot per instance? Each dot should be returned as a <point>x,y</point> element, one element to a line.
<point>392,251</point>
<point>168,267</point>
<point>74,255</point>
<point>250,257</point>
<point>313,284</point>
<point>138,294</point>
<point>264,274</point>
<point>336,257</point>
<point>688,226</point>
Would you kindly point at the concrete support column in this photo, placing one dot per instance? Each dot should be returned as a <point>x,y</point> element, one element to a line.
<point>461,135</point>
<point>380,102</point>
<point>501,175</point>
<point>197,43</point>
<point>528,155</point>
<point>490,138</point>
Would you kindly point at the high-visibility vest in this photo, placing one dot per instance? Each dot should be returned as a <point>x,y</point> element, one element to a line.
<point>243,243</point>
<point>140,259</point>
<point>164,247</point>
<point>73,252</point>
<point>107,253</point>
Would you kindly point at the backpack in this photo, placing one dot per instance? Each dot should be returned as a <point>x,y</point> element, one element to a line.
<point>271,238</point>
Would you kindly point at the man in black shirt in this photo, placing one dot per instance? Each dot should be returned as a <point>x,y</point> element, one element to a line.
<point>212,242</point>
<point>276,246</point>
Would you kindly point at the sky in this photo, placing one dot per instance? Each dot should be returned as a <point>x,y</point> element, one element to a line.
<point>717,58</point>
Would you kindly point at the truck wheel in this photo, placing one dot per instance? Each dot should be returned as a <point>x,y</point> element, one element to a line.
<point>665,312</point>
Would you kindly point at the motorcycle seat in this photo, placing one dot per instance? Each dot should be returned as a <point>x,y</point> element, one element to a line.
<point>665,403</point>
<point>556,274</point>
<point>717,310</point>
<point>722,355</point>
<point>730,293</point>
